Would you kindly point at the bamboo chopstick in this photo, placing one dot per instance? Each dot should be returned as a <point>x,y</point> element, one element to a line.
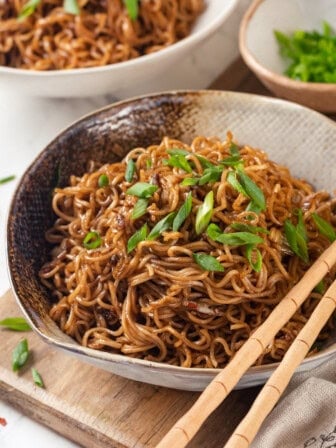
<point>273,389</point>
<point>184,430</point>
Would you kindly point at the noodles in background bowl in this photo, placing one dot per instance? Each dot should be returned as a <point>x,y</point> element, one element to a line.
<point>178,253</point>
<point>103,33</point>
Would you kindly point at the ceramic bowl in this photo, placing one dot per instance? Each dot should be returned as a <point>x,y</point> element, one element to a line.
<point>259,47</point>
<point>153,72</point>
<point>291,134</point>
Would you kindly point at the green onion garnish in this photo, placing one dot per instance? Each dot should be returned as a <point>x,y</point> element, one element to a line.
<point>130,169</point>
<point>20,355</point>
<point>211,175</point>
<point>324,227</point>
<point>28,9</point>
<point>140,208</point>
<point>142,190</point>
<point>234,150</point>
<point>254,257</point>
<point>92,240</point>
<point>252,190</point>
<point>37,377</point>
<point>233,239</point>
<point>204,213</point>
<point>15,324</point>
<point>161,226</point>
<point>296,240</point>
<point>208,262</point>
<point>189,181</point>
<point>4,180</point>
<point>178,152</point>
<point>243,227</point>
<point>103,181</point>
<point>137,237</point>
<point>179,161</point>
<point>71,7</point>
<point>132,7</point>
<point>183,213</point>
<point>320,287</point>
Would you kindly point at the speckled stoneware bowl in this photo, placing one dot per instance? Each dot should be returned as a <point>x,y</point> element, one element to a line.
<point>291,134</point>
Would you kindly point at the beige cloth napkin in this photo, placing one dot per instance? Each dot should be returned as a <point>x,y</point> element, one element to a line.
<point>306,415</point>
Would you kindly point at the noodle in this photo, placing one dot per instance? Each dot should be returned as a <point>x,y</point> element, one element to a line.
<point>103,33</point>
<point>119,287</point>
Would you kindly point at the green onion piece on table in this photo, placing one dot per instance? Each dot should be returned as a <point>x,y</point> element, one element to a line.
<point>37,377</point>
<point>324,227</point>
<point>20,355</point>
<point>15,324</point>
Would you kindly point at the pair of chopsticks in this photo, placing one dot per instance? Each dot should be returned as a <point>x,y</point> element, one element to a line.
<point>184,430</point>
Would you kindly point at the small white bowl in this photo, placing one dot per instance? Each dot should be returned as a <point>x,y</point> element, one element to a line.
<point>124,79</point>
<point>260,50</point>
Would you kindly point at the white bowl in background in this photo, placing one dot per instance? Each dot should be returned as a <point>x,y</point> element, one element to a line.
<point>156,71</point>
<point>260,49</point>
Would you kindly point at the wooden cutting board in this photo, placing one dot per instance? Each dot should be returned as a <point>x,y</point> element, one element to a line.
<point>97,409</point>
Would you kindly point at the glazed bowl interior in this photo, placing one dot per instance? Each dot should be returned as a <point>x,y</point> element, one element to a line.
<point>148,73</point>
<point>292,135</point>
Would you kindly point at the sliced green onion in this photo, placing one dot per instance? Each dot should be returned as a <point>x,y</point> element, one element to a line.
<point>137,237</point>
<point>253,207</point>
<point>211,175</point>
<point>148,163</point>
<point>208,262</point>
<point>204,213</point>
<point>28,9</point>
<point>103,181</point>
<point>301,228</point>
<point>254,257</point>
<point>205,162</point>
<point>232,161</point>
<point>4,180</point>
<point>142,190</point>
<point>178,152</point>
<point>189,181</point>
<point>132,7</point>
<point>15,324</point>
<point>252,190</point>
<point>140,208</point>
<point>20,355</point>
<point>183,213</point>
<point>296,241</point>
<point>234,182</point>
<point>242,227</point>
<point>324,227</point>
<point>130,169</point>
<point>234,150</point>
<point>92,240</point>
<point>179,161</point>
<point>71,7</point>
<point>161,226</point>
<point>37,377</point>
<point>233,239</point>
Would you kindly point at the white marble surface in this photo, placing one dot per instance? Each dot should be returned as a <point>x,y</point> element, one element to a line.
<point>27,125</point>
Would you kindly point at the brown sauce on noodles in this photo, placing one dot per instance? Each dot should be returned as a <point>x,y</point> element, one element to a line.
<point>103,33</point>
<point>154,300</point>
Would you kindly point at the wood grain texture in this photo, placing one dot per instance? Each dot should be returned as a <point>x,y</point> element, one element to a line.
<point>97,409</point>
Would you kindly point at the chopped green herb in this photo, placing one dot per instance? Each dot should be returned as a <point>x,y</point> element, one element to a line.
<point>142,190</point>
<point>178,152</point>
<point>311,54</point>
<point>301,228</point>
<point>20,355</point>
<point>71,7</point>
<point>254,257</point>
<point>324,227</point>
<point>233,181</point>
<point>189,181</point>
<point>130,169</point>
<point>28,9</point>
<point>234,150</point>
<point>161,226</point>
<point>37,377</point>
<point>204,213</point>
<point>132,7</point>
<point>296,241</point>
<point>252,190</point>
<point>233,239</point>
<point>103,181</point>
<point>137,237</point>
<point>242,227</point>
<point>234,161</point>
<point>208,262</point>
<point>4,180</point>
<point>140,208</point>
<point>179,161</point>
<point>205,162</point>
<point>253,207</point>
<point>148,163</point>
<point>183,213</point>
<point>92,240</point>
<point>15,324</point>
<point>211,175</point>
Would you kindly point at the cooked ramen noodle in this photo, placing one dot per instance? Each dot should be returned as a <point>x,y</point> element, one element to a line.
<point>47,37</point>
<point>178,253</point>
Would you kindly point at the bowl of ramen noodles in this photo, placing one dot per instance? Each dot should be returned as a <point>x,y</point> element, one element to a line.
<point>152,237</point>
<point>75,48</point>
